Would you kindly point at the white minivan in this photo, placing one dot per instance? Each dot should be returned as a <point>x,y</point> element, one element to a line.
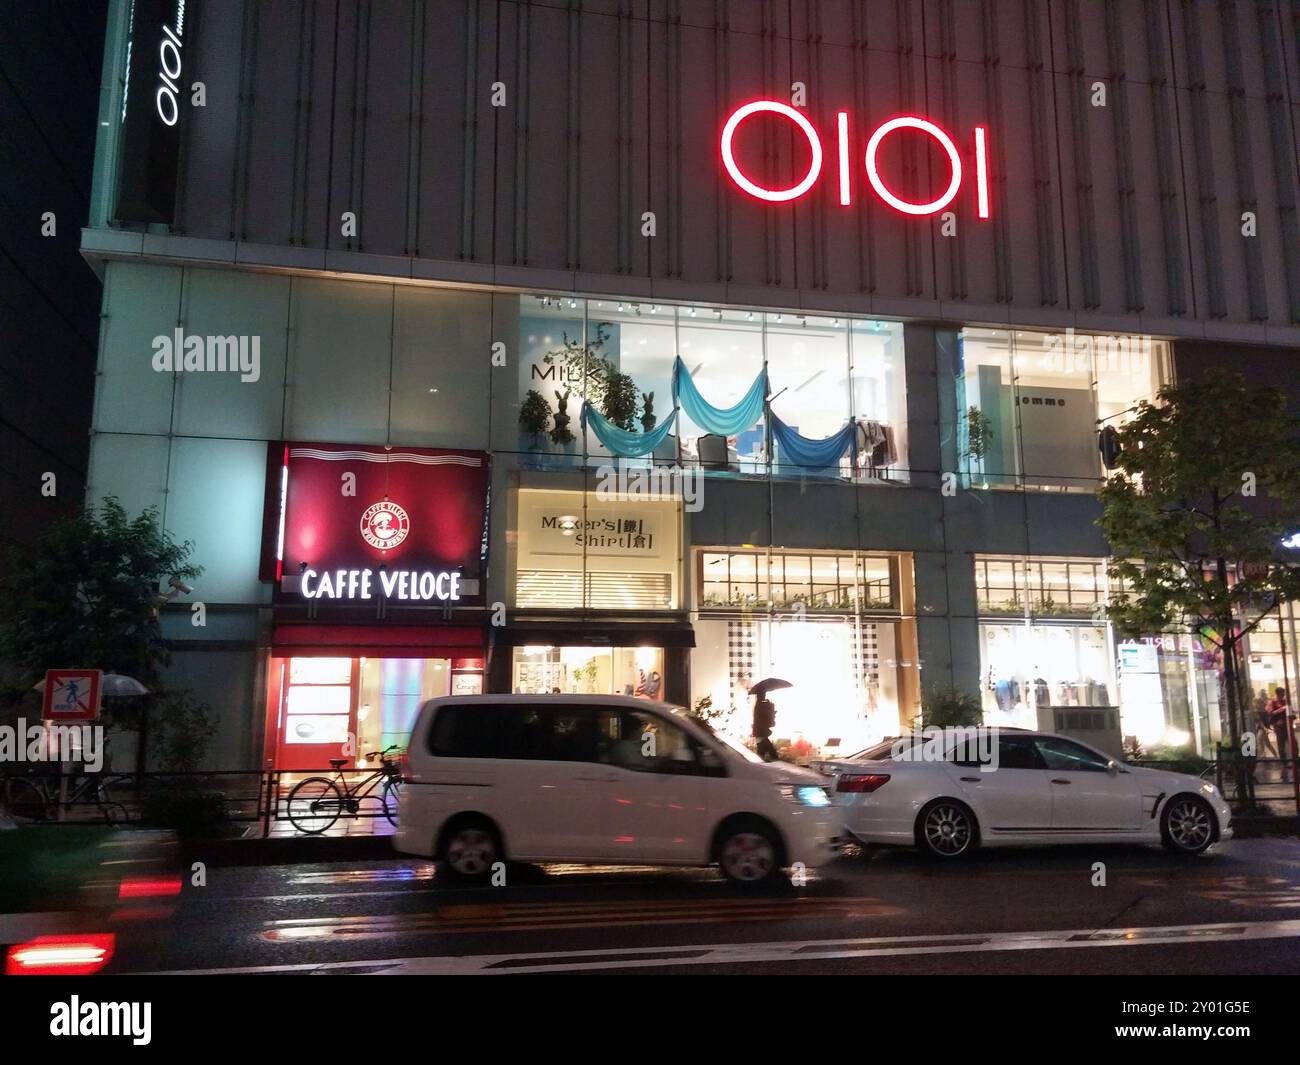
<point>601,779</point>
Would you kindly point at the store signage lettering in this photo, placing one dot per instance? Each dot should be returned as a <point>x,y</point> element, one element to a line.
<point>166,99</point>
<point>153,109</point>
<point>627,533</point>
<point>844,153</point>
<point>411,585</point>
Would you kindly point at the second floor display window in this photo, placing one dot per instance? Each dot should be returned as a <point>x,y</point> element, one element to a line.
<point>1029,404</point>
<point>731,391</point>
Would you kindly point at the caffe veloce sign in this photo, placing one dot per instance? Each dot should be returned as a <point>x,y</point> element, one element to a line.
<point>356,524</point>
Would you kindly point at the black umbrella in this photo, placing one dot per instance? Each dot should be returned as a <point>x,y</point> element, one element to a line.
<point>771,684</point>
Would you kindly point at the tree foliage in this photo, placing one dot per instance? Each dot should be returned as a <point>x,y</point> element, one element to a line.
<point>1208,480</point>
<point>85,596</point>
<point>1206,489</point>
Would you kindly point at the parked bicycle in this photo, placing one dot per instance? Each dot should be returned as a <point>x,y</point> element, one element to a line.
<point>317,802</point>
<point>33,799</point>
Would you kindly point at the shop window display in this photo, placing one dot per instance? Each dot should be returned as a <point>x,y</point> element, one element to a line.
<point>634,671</point>
<point>826,622</point>
<point>827,378</point>
<point>1029,668</point>
<point>1039,399</point>
<point>1058,653</point>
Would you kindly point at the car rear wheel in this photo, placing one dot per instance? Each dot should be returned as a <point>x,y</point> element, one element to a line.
<point>470,849</point>
<point>947,829</point>
<point>749,854</point>
<point>1187,825</point>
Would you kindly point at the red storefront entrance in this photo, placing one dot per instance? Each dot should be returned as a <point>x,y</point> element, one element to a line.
<point>378,557</point>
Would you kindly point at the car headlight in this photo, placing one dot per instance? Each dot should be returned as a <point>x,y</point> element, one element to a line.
<point>1210,790</point>
<point>806,794</point>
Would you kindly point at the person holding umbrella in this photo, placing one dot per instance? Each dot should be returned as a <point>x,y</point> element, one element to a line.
<point>764,720</point>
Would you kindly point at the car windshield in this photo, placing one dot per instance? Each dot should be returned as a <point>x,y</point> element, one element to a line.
<point>730,744</point>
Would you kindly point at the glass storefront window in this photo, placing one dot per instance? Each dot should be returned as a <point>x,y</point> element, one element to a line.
<point>785,580</point>
<point>879,399</point>
<point>1042,587</point>
<point>822,371</point>
<point>1041,397</point>
<point>635,671</point>
<point>1028,668</point>
<point>1051,657</point>
<point>827,622</point>
<point>373,701</point>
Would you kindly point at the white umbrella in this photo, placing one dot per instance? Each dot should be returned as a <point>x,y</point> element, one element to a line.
<point>114,684</point>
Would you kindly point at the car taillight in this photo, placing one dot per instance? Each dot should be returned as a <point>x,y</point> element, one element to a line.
<point>404,765</point>
<point>140,887</point>
<point>60,955</point>
<point>861,782</point>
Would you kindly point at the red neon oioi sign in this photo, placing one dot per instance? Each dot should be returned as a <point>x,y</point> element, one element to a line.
<point>843,157</point>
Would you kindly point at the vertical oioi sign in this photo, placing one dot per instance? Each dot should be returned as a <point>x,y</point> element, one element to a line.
<point>913,125</point>
<point>154,102</point>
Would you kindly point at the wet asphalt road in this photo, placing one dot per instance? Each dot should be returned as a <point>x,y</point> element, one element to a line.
<point>1235,910</point>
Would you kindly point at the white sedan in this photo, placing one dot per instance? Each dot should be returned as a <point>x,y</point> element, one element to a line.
<point>947,792</point>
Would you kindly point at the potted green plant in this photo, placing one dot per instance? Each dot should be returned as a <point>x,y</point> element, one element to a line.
<point>951,708</point>
<point>979,435</point>
<point>620,402</point>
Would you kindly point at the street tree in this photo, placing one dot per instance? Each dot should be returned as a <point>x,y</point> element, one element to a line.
<point>87,595</point>
<point>1206,489</point>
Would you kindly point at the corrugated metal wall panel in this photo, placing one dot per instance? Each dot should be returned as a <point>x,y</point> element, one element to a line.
<point>614,108</point>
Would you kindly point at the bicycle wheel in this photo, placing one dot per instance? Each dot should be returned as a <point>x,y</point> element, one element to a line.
<point>314,805</point>
<point>389,798</point>
<point>24,801</point>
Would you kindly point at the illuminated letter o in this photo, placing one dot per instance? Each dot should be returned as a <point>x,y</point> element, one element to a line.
<point>907,122</point>
<point>172,109</point>
<point>729,159</point>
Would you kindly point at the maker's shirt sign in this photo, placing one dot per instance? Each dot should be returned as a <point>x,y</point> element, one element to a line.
<point>384,525</point>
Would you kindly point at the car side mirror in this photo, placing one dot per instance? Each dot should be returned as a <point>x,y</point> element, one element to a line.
<point>1112,767</point>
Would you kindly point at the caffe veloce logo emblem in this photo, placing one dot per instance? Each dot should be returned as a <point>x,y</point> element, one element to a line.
<point>384,525</point>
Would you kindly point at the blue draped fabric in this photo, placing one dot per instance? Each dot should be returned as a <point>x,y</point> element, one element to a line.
<point>620,441</point>
<point>724,421</point>
<point>799,450</point>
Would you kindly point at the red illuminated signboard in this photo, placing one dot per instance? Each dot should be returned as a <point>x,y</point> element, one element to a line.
<point>358,524</point>
<point>870,157</point>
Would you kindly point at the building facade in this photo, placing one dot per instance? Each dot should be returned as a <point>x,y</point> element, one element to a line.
<point>632,345</point>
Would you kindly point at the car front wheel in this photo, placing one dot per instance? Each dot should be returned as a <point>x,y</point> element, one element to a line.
<point>1187,825</point>
<point>946,829</point>
<point>749,854</point>
<point>470,850</point>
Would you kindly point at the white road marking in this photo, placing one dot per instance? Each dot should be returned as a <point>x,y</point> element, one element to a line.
<point>782,951</point>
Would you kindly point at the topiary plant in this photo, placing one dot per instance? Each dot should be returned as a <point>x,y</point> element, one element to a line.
<point>534,415</point>
<point>648,417</point>
<point>620,401</point>
<point>561,435</point>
